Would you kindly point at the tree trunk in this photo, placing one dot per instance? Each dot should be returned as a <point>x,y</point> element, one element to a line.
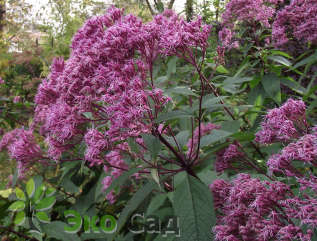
<point>189,9</point>
<point>2,15</point>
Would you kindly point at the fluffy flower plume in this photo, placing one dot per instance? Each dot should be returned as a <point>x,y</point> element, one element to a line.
<point>105,80</point>
<point>282,124</point>
<point>249,10</point>
<point>17,99</point>
<point>296,21</point>
<point>305,150</point>
<point>22,147</point>
<point>254,210</point>
<point>227,156</point>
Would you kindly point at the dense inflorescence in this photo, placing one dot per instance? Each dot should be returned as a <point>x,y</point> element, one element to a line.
<point>105,93</point>
<point>226,157</point>
<point>284,123</point>
<point>249,11</point>
<point>251,209</point>
<point>297,21</point>
<point>22,147</point>
<point>254,210</point>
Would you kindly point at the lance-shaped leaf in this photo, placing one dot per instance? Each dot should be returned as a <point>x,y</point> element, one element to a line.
<point>45,204</point>
<point>43,217</point>
<point>30,188</point>
<point>193,205</point>
<point>134,203</point>
<point>19,218</point>
<point>17,206</point>
<point>20,194</point>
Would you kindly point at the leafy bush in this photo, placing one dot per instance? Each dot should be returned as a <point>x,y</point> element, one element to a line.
<point>143,117</point>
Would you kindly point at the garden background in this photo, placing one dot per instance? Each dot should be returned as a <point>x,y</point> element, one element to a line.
<point>200,110</point>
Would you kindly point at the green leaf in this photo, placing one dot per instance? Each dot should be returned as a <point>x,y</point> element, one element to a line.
<point>35,234</point>
<point>88,115</point>
<point>6,193</point>
<point>216,135</point>
<point>56,230</point>
<point>171,69</point>
<point>43,217</point>
<point>19,218</point>
<point>69,186</point>
<point>133,145</point>
<point>134,203</point>
<point>30,188</point>
<point>230,126</point>
<point>183,90</point>
<point>182,137</point>
<point>45,204</point>
<point>236,80</point>
<point>156,202</point>
<point>221,69</point>
<point>38,194</point>
<point>278,52</point>
<point>176,114</point>
<point>20,194</point>
<point>294,85</point>
<point>309,60</point>
<point>153,144</point>
<point>211,101</point>
<point>272,86</point>
<point>50,191</point>
<point>156,178</point>
<point>280,60</point>
<point>232,84</point>
<point>17,206</point>
<point>193,204</point>
<point>207,176</point>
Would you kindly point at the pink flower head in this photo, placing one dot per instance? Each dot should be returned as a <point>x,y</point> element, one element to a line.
<point>249,11</point>
<point>96,143</point>
<point>17,99</point>
<point>250,209</point>
<point>297,21</point>
<point>1,81</point>
<point>226,157</point>
<point>106,182</point>
<point>22,147</point>
<point>281,124</point>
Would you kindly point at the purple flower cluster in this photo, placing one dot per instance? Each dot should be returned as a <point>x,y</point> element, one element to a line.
<point>22,147</point>
<point>106,77</point>
<point>284,123</point>
<point>296,21</point>
<point>305,149</point>
<point>104,93</point>
<point>250,209</point>
<point>227,156</point>
<point>254,210</point>
<point>249,11</point>
<point>225,36</point>
<point>245,11</point>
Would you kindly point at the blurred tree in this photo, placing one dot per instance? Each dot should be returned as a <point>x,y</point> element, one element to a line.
<point>136,7</point>
<point>159,5</point>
